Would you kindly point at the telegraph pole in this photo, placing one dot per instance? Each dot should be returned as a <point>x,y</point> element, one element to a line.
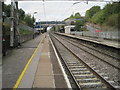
<point>17,33</point>
<point>14,30</point>
<point>3,32</point>
<point>12,25</point>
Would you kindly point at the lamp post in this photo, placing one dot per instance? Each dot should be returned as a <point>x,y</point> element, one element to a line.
<point>34,28</point>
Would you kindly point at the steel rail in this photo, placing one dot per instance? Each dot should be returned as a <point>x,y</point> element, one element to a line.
<point>95,56</point>
<point>93,49</point>
<point>66,67</point>
<point>92,70</point>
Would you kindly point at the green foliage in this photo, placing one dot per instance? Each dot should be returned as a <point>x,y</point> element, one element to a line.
<point>87,16</point>
<point>23,18</point>
<point>25,32</point>
<point>107,16</point>
<point>78,25</point>
<point>7,10</point>
<point>77,15</point>
<point>98,17</point>
<point>91,12</point>
<point>66,19</point>
<point>21,14</point>
<point>112,9</point>
<point>113,20</point>
<point>29,20</point>
<point>71,17</point>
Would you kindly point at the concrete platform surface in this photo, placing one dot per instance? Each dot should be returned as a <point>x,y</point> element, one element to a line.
<point>44,77</point>
<point>110,43</point>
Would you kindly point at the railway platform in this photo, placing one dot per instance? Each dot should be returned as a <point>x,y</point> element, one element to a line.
<point>109,43</point>
<point>42,69</point>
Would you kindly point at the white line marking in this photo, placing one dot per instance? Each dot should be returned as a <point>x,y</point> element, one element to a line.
<point>64,74</point>
<point>49,54</point>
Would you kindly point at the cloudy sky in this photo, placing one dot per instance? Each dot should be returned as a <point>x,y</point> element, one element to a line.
<point>55,10</point>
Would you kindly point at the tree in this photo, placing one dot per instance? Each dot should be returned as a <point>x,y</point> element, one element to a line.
<point>29,20</point>
<point>110,9</point>
<point>78,25</point>
<point>91,12</point>
<point>108,15</point>
<point>24,18</point>
<point>71,17</point>
<point>7,10</point>
<point>113,8</point>
<point>21,14</point>
<point>77,15</point>
<point>33,19</point>
<point>99,17</point>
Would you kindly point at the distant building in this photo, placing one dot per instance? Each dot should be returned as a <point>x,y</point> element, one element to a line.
<point>70,25</point>
<point>69,29</point>
<point>72,21</point>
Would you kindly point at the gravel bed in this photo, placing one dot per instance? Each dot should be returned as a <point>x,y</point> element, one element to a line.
<point>106,58</point>
<point>69,58</point>
<point>108,51</point>
<point>100,66</point>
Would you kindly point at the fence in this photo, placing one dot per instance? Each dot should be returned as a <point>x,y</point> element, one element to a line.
<point>25,27</point>
<point>23,38</point>
<point>113,35</point>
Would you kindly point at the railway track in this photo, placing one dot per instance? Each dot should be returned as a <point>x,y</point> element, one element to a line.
<point>103,51</point>
<point>107,58</point>
<point>85,76</point>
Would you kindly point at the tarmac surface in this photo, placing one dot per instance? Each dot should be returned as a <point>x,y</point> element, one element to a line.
<point>15,61</point>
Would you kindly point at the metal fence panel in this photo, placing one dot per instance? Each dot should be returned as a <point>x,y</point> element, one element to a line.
<point>104,35</point>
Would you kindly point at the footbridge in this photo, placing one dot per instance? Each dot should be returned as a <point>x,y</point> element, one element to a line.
<point>42,25</point>
<point>49,23</point>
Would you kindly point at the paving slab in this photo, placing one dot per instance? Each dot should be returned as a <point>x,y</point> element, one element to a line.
<point>96,40</point>
<point>44,77</point>
<point>43,81</point>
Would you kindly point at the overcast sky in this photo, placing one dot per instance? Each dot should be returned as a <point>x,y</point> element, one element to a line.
<point>56,10</point>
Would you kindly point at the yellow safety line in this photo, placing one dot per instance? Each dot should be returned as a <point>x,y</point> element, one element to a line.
<point>24,70</point>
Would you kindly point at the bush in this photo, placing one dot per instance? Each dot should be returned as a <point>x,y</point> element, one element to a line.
<point>78,25</point>
<point>91,12</point>
<point>25,32</point>
<point>113,20</point>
